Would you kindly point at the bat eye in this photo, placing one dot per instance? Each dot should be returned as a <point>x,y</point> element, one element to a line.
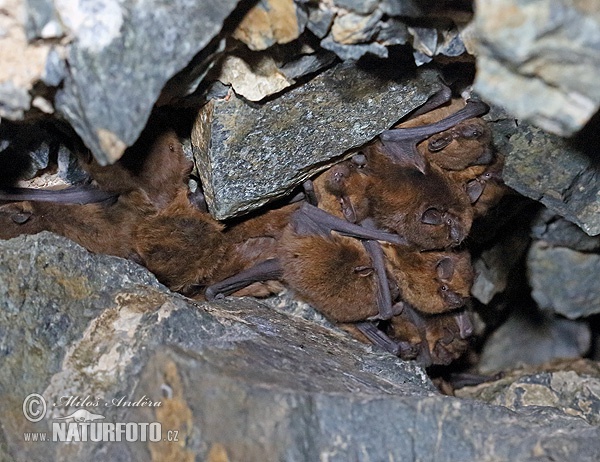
<point>432,216</point>
<point>444,288</point>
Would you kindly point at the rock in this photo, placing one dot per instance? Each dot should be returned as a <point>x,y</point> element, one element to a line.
<point>270,22</point>
<point>558,232</point>
<point>298,133</point>
<point>353,28</point>
<point>571,386</point>
<point>540,61</point>
<point>120,57</point>
<point>558,173</point>
<point>320,21</point>
<point>22,63</point>
<point>564,280</point>
<point>356,51</point>
<point>533,338</point>
<point>494,266</point>
<point>364,7</point>
<point>253,80</point>
<point>232,380</point>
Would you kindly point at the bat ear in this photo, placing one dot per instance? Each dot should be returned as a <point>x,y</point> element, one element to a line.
<point>437,143</point>
<point>363,271</point>
<point>432,216</point>
<point>474,190</point>
<point>359,159</point>
<point>445,268</point>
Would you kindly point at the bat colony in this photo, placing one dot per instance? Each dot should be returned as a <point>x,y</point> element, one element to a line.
<point>375,245</point>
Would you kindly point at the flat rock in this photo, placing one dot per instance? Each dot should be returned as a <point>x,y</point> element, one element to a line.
<point>564,280</point>
<point>533,338</point>
<point>232,380</point>
<point>540,61</point>
<point>573,386</point>
<point>559,173</point>
<point>248,155</point>
<point>121,56</point>
<point>556,231</point>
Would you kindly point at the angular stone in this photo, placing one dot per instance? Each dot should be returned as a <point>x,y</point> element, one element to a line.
<point>119,60</point>
<point>269,22</point>
<point>533,338</point>
<point>22,63</point>
<point>250,155</point>
<point>556,172</point>
<point>361,7</point>
<point>232,380</point>
<point>556,231</point>
<point>573,386</point>
<point>356,51</point>
<point>353,28</point>
<point>254,81</point>
<point>495,265</point>
<point>564,280</point>
<point>540,61</point>
<point>320,21</point>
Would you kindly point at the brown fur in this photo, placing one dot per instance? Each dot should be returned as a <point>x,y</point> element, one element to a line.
<point>334,275</point>
<point>422,283</point>
<point>100,228</point>
<point>400,197</point>
<point>437,337</point>
<point>181,245</point>
<point>155,164</point>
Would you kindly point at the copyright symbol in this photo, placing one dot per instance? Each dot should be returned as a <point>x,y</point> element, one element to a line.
<point>34,407</point>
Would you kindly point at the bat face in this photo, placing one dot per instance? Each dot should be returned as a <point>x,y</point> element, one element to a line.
<point>432,282</point>
<point>438,339</point>
<point>342,190</point>
<point>466,144</point>
<point>428,210</point>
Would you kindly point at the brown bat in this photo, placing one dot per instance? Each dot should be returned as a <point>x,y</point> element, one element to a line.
<point>401,143</point>
<point>149,176</point>
<point>439,339</point>
<point>431,282</point>
<point>181,245</point>
<point>429,211</point>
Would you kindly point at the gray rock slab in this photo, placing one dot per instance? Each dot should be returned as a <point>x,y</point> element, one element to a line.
<point>233,380</point>
<point>540,61</point>
<point>558,173</point>
<point>533,338</point>
<point>556,231</point>
<point>572,386</point>
<point>121,56</point>
<point>248,155</point>
<point>564,280</point>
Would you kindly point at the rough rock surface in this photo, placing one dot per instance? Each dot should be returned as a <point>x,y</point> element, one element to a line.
<point>235,379</point>
<point>531,337</point>
<point>108,43</point>
<point>557,231</point>
<point>540,60</point>
<point>560,174</point>
<point>564,280</point>
<point>248,155</point>
<point>573,387</point>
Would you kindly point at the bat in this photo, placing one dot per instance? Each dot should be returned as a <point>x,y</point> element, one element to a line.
<point>431,282</point>
<point>401,143</point>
